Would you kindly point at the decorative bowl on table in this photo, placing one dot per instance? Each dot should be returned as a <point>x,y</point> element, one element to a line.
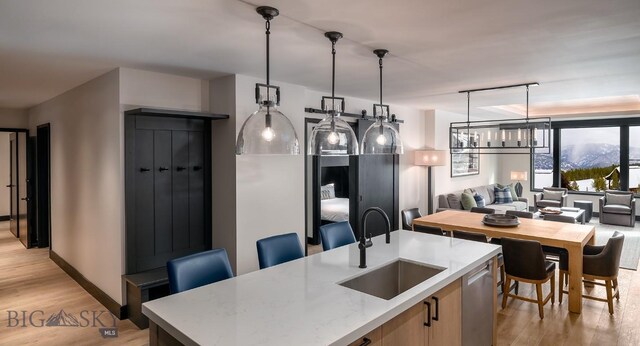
<point>501,220</point>
<point>550,211</point>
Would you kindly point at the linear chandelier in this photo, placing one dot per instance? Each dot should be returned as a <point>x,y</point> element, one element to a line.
<point>501,136</point>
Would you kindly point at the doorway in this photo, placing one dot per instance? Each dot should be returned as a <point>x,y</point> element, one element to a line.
<point>15,152</point>
<point>43,184</point>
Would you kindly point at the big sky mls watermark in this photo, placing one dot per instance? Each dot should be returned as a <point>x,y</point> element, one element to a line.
<point>103,320</point>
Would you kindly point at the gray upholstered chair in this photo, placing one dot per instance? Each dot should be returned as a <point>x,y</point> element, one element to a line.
<point>618,208</point>
<point>551,197</point>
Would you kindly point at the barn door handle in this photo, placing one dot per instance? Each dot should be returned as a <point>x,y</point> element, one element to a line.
<point>180,168</point>
<point>144,169</point>
<point>162,169</point>
<point>197,168</point>
<point>25,199</point>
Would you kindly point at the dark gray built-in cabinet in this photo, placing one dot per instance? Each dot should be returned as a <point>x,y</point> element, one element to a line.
<point>168,186</point>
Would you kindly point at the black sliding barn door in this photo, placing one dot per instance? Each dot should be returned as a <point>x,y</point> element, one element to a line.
<point>374,183</point>
<point>168,189</point>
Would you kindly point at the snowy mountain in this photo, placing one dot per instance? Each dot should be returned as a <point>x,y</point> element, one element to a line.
<point>586,156</point>
<point>62,319</point>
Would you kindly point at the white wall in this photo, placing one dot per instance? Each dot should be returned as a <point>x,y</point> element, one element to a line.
<point>5,168</point>
<point>86,179</point>
<point>442,180</point>
<point>14,118</point>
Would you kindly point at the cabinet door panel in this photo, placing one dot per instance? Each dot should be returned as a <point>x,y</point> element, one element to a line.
<point>447,330</point>
<point>180,188</point>
<point>407,328</point>
<point>162,187</point>
<point>373,338</point>
<point>144,194</point>
<point>196,189</point>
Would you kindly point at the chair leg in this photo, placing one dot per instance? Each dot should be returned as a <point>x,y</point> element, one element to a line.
<point>560,286</point>
<point>502,278</point>
<point>507,283</point>
<point>615,285</point>
<point>609,296</point>
<point>553,288</point>
<point>540,300</point>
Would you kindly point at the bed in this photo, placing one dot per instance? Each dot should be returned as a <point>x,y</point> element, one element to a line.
<point>334,209</point>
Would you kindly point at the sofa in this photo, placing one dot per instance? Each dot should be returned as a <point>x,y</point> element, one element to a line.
<point>618,208</point>
<point>447,201</point>
<point>556,197</point>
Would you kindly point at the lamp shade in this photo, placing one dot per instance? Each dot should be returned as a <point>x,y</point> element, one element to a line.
<point>430,157</point>
<point>267,132</point>
<point>332,137</point>
<point>381,138</point>
<point>519,175</point>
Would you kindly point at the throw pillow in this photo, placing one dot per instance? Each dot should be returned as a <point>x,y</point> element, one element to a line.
<point>468,201</point>
<point>613,198</point>
<point>552,195</point>
<point>454,201</point>
<point>479,201</point>
<point>511,188</point>
<point>503,196</point>
<point>327,191</point>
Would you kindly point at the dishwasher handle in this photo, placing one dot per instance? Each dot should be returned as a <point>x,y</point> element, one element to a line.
<point>479,273</point>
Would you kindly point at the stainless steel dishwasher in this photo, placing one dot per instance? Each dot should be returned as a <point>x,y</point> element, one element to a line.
<point>477,306</point>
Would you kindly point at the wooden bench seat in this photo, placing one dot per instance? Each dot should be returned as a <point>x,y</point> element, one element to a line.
<point>143,287</point>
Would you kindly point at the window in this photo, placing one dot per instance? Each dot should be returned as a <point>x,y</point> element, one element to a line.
<point>590,159</point>
<point>634,159</point>
<point>543,166</point>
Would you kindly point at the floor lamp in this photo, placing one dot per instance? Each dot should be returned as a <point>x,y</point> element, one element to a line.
<point>430,158</point>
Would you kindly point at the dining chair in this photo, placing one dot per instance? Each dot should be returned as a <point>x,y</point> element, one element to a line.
<point>430,230</point>
<point>524,261</point>
<point>278,249</point>
<point>408,215</point>
<point>520,213</point>
<point>197,270</point>
<point>482,210</point>
<point>479,237</point>
<point>336,234</point>
<point>598,263</point>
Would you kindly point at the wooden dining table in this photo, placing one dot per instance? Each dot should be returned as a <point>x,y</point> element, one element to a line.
<point>572,237</point>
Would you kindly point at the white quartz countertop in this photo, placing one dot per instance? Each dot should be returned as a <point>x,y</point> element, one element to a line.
<point>301,303</point>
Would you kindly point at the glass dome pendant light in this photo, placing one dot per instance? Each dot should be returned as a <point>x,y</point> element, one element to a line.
<point>267,131</point>
<point>333,136</point>
<point>381,137</point>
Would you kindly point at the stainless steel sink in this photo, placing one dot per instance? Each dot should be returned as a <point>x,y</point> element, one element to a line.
<point>392,279</point>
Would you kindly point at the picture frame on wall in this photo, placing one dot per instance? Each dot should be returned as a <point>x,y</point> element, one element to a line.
<point>465,162</point>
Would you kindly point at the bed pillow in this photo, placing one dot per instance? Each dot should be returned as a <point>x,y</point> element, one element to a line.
<point>327,191</point>
<point>503,196</point>
<point>468,201</point>
<point>479,200</point>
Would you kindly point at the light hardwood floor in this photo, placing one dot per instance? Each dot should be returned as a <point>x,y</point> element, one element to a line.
<point>30,281</point>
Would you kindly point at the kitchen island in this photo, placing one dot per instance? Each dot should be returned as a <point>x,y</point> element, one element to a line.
<point>302,302</point>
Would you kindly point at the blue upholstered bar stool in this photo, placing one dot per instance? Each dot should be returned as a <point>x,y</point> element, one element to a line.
<point>336,234</point>
<point>278,249</point>
<point>199,269</point>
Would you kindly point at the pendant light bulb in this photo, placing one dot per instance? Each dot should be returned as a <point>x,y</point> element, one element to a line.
<point>268,134</point>
<point>382,140</point>
<point>333,138</point>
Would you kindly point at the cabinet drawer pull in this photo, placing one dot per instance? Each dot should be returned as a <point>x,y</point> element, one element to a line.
<point>428,322</point>
<point>435,316</point>
<point>365,342</point>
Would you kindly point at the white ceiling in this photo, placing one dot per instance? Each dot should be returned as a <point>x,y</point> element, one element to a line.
<point>574,48</point>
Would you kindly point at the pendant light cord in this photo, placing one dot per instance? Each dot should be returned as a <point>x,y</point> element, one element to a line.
<point>268,32</point>
<point>333,78</point>
<point>381,108</point>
